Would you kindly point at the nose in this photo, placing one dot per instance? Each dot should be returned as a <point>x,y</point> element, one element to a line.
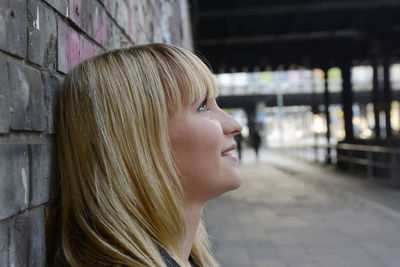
<point>229,125</point>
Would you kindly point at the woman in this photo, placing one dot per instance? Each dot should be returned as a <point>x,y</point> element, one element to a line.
<point>142,145</point>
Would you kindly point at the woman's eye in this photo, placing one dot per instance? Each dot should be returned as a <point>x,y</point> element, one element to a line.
<point>203,106</point>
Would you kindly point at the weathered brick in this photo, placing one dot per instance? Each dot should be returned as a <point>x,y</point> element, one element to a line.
<point>92,18</point>
<point>61,6</point>
<point>137,16</point>
<point>159,22</point>
<point>114,40</point>
<point>27,239</point>
<point>13,27</point>
<point>67,46</point>
<point>149,21</point>
<point>42,38</point>
<point>112,6</point>
<point>86,47</point>
<point>4,236</point>
<point>175,20</point>
<point>187,41</point>
<point>101,28</point>
<point>124,41</point>
<point>4,97</point>
<point>52,84</point>
<point>14,179</point>
<point>42,167</point>
<point>170,18</point>
<point>140,32</point>
<point>26,98</point>
<point>75,11</point>
<point>121,12</point>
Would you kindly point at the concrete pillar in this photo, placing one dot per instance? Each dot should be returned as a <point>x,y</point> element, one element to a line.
<point>375,99</point>
<point>315,110</point>
<point>387,96</point>
<point>328,117</point>
<point>347,101</point>
<point>251,117</point>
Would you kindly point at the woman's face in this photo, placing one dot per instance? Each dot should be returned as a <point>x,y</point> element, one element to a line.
<point>201,137</point>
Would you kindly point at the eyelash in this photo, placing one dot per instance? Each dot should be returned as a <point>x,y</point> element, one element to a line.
<point>203,106</point>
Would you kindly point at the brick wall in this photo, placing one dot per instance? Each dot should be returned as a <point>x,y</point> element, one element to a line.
<point>40,40</point>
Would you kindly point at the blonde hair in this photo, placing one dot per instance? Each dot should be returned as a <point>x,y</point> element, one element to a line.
<point>121,197</point>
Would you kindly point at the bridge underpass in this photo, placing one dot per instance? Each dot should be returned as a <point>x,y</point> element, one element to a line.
<point>254,36</point>
<point>301,99</point>
<point>290,212</point>
<point>369,155</point>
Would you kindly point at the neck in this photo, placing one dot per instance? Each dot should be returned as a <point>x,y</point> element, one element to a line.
<point>191,215</point>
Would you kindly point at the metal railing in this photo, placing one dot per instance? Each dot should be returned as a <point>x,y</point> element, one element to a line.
<point>369,156</point>
<point>367,159</point>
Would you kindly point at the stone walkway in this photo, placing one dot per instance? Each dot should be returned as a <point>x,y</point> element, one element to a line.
<point>289,213</point>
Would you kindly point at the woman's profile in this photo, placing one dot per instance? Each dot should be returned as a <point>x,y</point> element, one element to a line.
<point>142,145</point>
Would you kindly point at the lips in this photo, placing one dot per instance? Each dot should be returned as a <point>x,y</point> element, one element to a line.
<point>226,152</point>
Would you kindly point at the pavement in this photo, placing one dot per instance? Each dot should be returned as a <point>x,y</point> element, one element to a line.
<point>290,212</point>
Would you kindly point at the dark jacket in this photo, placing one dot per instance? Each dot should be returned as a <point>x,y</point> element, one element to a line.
<point>170,262</point>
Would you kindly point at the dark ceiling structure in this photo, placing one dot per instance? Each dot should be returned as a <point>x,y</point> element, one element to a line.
<point>249,35</point>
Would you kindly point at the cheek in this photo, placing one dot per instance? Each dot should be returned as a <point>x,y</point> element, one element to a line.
<point>196,142</point>
<point>196,147</point>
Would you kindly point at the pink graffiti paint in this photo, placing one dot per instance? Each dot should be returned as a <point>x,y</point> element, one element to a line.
<point>102,27</point>
<point>68,47</point>
<point>72,49</point>
<point>86,47</point>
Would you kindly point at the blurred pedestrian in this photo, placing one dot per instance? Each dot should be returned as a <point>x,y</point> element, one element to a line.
<point>256,140</point>
<point>239,139</point>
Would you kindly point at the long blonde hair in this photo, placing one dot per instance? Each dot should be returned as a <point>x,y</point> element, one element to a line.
<point>121,197</point>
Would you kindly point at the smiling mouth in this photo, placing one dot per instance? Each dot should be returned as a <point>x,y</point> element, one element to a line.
<point>228,153</point>
<point>229,156</point>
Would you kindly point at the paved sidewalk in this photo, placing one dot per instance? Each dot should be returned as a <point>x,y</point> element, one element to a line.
<point>289,213</point>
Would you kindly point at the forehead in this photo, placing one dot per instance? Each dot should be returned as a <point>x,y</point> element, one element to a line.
<point>189,80</point>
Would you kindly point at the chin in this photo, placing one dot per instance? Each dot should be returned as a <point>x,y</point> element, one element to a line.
<point>236,181</point>
<point>229,181</point>
<point>232,182</point>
